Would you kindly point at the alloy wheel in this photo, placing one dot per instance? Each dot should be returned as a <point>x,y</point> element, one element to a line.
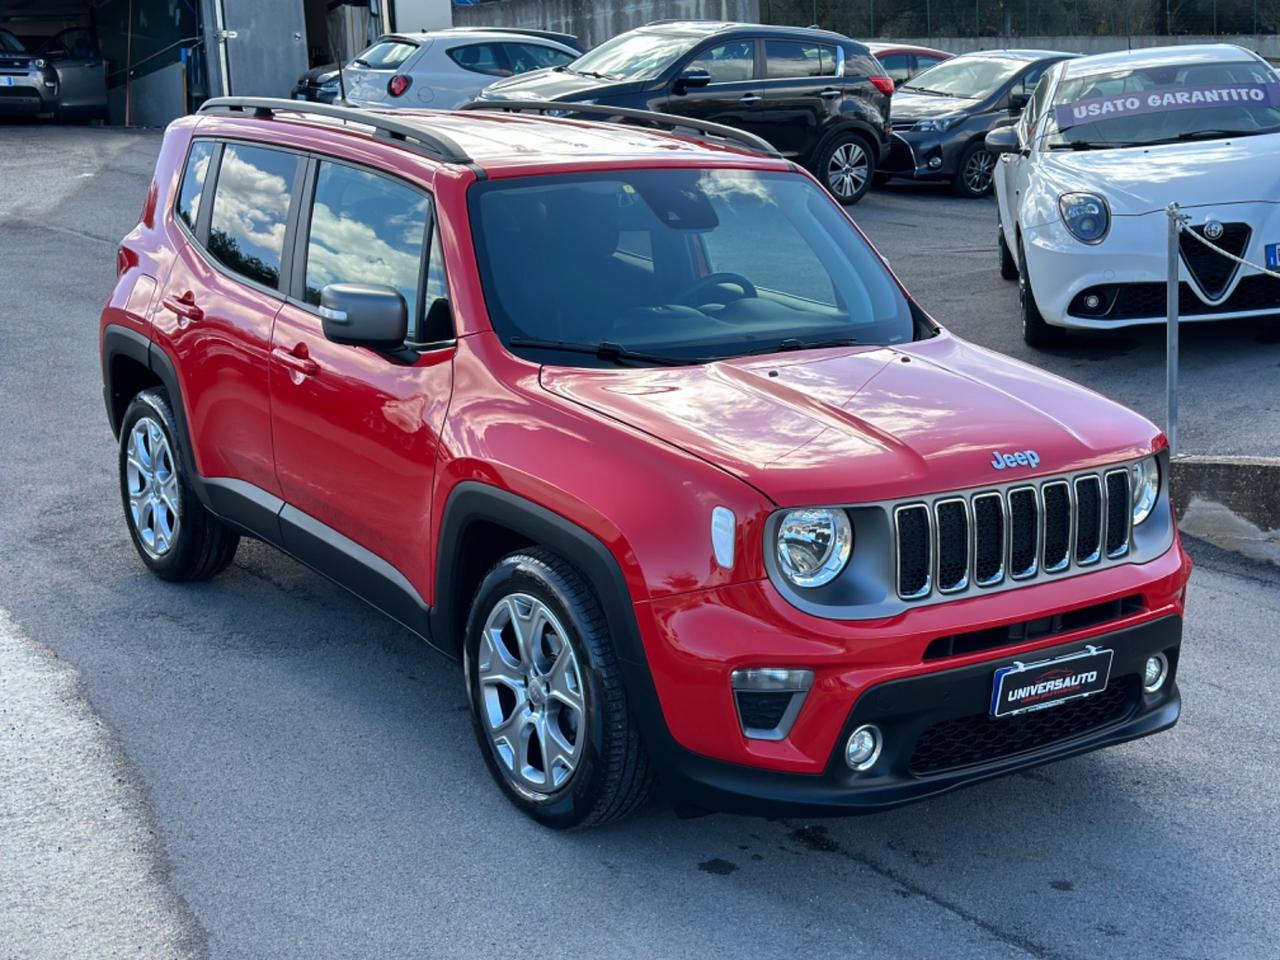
<point>848,169</point>
<point>153,488</point>
<point>978,171</point>
<point>531,695</point>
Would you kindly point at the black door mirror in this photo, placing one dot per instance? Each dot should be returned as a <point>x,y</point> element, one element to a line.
<point>1016,102</point>
<point>364,314</point>
<point>1003,140</point>
<point>695,77</point>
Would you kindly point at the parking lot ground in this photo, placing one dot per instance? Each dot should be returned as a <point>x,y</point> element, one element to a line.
<point>313,787</point>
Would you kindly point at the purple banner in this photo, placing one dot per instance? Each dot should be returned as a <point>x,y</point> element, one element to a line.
<point>1163,99</point>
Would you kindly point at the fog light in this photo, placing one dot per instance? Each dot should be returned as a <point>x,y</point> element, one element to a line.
<point>1155,673</point>
<point>1092,302</point>
<point>935,163</point>
<point>863,748</point>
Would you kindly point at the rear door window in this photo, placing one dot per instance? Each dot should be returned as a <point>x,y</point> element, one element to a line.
<point>387,54</point>
<point>486,58</point>
<point>793,58</point>
<point>365,228</point>
<point>896,65</point>
<point>250,210</point>
<point>193,181</point>
<point>925,61</point>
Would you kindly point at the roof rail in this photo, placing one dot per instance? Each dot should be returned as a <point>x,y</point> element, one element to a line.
<point>434,146</point>
<point>703,128</point>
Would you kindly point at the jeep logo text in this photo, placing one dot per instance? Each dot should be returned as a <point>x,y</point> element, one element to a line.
<point>1023,458</point>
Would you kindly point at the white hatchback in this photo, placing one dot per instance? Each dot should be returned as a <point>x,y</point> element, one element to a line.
<point>1105,145</point>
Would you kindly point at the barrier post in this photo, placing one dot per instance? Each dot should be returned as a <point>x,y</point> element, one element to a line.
<point>1176,219</point>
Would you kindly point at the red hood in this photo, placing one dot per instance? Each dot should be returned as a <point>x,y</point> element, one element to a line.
<point>865,423</point>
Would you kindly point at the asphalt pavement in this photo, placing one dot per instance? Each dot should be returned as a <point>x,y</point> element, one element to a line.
<point>276,771</point>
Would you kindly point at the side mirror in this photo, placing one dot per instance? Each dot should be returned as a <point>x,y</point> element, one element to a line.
<point>1016,102</point>
<point>364,314</point>
<point>1003,140</point>
<point>696,77</point>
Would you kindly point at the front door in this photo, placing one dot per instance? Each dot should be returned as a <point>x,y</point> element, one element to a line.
<point>732,96</point>
<point>356,430</point>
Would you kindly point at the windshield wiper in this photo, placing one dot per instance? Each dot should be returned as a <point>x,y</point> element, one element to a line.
<point>795,343</point>
<point>604,350</point>
<point>1095,145</point>
<point>1215,134</point>
<point>589,73</point>
<point>932,93</point>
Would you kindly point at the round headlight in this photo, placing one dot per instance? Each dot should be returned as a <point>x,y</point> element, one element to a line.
<point>1144,481</point>
<point>1086,216</point>
<point>813,545</point>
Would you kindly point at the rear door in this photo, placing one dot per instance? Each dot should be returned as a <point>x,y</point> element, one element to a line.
<point>234,216</point>
<point>357,430</point>
<point>802,92</point>
<point>733,93</point>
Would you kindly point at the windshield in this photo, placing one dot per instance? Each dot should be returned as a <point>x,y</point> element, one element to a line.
<point>678,265</point>
<point>1164,104</point>
<point>639,55</point>
<point>973,78</point>
<point>9,43</point>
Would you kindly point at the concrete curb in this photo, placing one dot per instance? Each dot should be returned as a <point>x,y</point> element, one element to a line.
<point>1230,502</point>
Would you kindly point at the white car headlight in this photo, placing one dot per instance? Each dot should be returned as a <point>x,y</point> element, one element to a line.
<point>1144,482</point>
<point>1086,215</point>
<point>936,124</point>
<point>813,545</point>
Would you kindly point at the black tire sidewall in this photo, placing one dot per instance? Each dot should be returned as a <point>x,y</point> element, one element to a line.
<point>573,803</point>
<point>1035,331</point>
<point>824,161</point>
<point>1009,269</point>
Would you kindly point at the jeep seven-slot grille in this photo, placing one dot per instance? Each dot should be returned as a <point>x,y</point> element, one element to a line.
<point>981,539</point>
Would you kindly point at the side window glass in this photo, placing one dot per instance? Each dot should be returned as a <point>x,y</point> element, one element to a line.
<point>923,62</point>
<point>727,63</point>
<point>483,58</point>
<point>897,66</point>
<point>791,58</point>
<point>531,56</point>
<point>437,326</point>
<point>193,179</point>
<point>250,207</point>
<point>365,228</point>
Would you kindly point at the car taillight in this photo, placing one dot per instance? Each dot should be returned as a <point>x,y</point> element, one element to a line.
<point>398,84</point>
<point>883,84</point>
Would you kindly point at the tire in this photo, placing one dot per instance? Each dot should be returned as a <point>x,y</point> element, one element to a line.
<point>975,172</point>
<point>1008,265</point>
<point>176,537</point>
<point>846,167</point>
<point>566,692</point>
<point>1035,331</point>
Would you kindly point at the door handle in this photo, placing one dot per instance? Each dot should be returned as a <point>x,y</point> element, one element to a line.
<point>184,306</point>
<point>303,365</point>
<point>829,93</point>
<point>750,98</point>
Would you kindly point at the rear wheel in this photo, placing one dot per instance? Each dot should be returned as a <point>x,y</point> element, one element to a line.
<point>548,703</point>
<point>1035,331</point>
<point>846,166</point>
<point>976,172</point>
<point>176,537</point>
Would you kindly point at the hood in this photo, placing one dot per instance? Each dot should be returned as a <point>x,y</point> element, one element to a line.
<point>554,84</point>
<point>918,106</point>
<point>319,74</point>
<point>865,423</point>
<point>1138,180</point>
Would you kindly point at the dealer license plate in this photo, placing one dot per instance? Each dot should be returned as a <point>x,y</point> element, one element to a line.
<point>1273,256</point>
<point>1022,687</point>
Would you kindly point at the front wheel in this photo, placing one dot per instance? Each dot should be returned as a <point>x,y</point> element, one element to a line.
<point>1008,265</point>
<point>846,166</point>
<point>976,172</point>
<point>547,699</point>
<point>1035,331</point>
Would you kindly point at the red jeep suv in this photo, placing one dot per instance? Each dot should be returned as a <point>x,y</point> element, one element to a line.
<point>630,418</point>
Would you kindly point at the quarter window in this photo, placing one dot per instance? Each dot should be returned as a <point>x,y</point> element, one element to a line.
<point>250,208</point>
<point>727,63</point>
<point>193,180</point>
<point>791,58</point>
<point>365,228</point>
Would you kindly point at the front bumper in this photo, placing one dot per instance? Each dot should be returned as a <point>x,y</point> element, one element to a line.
<point>879,673</point>
<point>921,156</point>
<point>1128,270</point>
<point>27,96</point>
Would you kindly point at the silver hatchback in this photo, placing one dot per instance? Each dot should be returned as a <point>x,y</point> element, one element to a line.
<point>444,69</point>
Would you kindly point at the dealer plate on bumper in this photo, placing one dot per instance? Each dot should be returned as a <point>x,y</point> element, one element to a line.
<point>1022,687</point>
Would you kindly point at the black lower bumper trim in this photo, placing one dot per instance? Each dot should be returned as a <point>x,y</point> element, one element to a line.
<point>918,762</point>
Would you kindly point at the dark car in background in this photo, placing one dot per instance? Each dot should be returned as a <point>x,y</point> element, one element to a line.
<point>902,61</point>
<point>63,75</point>
<point>941,117</point>
<point>819,97</point>
<point>319,84</point>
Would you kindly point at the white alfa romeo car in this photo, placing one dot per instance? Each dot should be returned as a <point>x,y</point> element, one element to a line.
<point>1106,143</point>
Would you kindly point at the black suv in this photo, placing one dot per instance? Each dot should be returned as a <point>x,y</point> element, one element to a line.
<point>819,97</point>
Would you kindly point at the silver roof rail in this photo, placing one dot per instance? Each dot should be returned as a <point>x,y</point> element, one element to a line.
<point>434,146</point>
<point>703,128</point>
